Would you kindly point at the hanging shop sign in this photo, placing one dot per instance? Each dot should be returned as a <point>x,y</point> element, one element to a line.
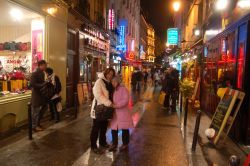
<point>226,112</point>
<point>111,19</point>
<point>173,36</point>
<point>121,46</point>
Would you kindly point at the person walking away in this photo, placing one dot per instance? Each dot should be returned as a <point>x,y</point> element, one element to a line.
<point>139,77</point>
<point>54,79</point>
<point>103,94</point>
<point>39,103</point>
<point>175,88</point>
<point>145,79</point>
<point>166,88</point>
<point>157,78</point>
<point>122,119</point>
<point>133,81</point>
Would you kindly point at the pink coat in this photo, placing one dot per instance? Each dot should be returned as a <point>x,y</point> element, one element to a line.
<point>122,118</point>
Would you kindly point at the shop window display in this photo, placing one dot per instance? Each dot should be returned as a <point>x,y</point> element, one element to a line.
<point>21,46</point>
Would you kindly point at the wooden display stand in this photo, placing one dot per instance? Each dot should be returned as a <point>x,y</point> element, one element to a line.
<point>226,113</point>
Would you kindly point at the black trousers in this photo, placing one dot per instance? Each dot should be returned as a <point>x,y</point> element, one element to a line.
<point>173,96</point>
<point>53,110</point>
<point>125,137</point>
<point>99,129</point>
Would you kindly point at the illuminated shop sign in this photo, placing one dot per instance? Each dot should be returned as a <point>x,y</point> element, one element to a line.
<point>173,36</point>
<point>122,36</point>
<point>111,19</point>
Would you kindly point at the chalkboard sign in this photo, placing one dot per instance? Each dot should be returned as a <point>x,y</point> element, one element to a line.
<point>226,112</point>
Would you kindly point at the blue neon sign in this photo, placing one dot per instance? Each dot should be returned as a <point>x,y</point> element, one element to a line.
<point>173,36</point>
<point>122,36</point>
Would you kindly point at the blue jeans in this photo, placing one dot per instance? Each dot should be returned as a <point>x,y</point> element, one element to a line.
<point>37,115</point>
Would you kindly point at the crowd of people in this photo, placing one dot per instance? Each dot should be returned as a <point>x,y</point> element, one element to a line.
<point>110,104</point>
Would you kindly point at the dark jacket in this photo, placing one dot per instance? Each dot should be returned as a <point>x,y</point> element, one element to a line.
<point>37,81</point>
<point>167,84</point>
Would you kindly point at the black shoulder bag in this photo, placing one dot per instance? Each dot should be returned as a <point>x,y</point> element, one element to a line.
<point>102,112</point>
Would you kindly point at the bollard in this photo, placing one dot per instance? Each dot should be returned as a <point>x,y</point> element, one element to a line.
<point>234,161</point>
<point>186,112</point>
<point>196,130</point>
<point>30,121</point>
<point>180,103</point>
<point>76,104</point>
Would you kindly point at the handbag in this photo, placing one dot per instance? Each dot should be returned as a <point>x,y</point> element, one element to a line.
<point>103,112</point>
<point>161,98</point>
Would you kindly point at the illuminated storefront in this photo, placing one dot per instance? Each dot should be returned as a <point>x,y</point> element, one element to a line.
<point>29,32</point>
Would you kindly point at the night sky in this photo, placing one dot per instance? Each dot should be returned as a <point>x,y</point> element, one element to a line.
<point>157,13</point>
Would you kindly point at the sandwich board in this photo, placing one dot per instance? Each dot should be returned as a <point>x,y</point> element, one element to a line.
<point>226,113</point>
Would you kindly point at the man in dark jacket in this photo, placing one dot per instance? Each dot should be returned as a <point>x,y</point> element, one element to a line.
<point>38,101</point>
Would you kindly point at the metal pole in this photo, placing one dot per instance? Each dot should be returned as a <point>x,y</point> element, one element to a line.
<point>180,102</point>
<point>186,112</point>
<point>30,121</point>
<point>76,104</point>
<point>196,130</point>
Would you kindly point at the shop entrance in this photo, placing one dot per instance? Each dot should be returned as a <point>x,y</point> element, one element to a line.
<point>71,83</point>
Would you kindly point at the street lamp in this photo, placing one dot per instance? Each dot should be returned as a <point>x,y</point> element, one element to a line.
<point>221,4</point>
<point>176,6</point>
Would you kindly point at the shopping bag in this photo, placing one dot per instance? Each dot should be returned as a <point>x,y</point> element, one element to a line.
<point>162,98</point>
<point>59,107</point>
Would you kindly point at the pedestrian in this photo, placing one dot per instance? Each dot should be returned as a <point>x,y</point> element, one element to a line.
<point>56,99</point>
<point>166,88</point>
<point>122,119</point>
<point>134,80</point>
<point>174,77</point>
<point>139,78</point>
<point>157,78</point>
<point>39,103</point>
<point>145,78</point>
<point>103,94</point>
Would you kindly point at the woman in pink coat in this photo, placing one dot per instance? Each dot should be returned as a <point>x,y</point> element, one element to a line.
<point>122,119</point>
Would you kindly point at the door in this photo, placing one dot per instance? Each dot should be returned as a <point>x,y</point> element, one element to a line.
<point>71,81</point>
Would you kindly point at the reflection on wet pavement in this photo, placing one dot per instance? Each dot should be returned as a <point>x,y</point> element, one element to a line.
<point>156,140</point>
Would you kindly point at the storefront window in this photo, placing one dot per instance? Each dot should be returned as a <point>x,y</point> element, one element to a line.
<point>21,46</point>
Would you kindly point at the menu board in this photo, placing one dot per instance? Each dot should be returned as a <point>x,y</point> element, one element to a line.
<point>226,112</point>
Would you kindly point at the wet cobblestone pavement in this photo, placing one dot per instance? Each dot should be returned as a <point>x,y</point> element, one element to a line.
<point>155,141</point>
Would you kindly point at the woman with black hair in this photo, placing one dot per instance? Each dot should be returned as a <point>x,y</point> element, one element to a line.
<point>54,101</point>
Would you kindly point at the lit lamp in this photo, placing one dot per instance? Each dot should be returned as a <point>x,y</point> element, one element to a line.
<point>176,6</point>
<point>221,4</point>
<point>197,32</point>
<point>243,4</point>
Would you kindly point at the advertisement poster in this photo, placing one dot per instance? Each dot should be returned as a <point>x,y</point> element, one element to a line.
<point>37,47</point>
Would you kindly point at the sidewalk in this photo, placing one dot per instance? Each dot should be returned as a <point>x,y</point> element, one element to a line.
<point>207,153</point>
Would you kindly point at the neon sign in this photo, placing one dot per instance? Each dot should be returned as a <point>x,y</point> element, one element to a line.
<point>173,36</point>
<point>111,19</point>
<point>122,35</point>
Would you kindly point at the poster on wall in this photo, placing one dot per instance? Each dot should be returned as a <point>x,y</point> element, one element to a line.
<point>37,47</point>
<point>10,62</point>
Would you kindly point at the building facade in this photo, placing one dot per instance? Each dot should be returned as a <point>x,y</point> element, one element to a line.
<point>222,49</point>
<point>150,43</point>
<point>143,38</point>
<point>88,47</point>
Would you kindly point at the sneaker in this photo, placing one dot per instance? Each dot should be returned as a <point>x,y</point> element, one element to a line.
<point>97,151</point>
<point>113,148</point>
<point>123,147</point>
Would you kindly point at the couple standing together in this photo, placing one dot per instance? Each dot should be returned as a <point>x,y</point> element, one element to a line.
<point>109,91</point>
